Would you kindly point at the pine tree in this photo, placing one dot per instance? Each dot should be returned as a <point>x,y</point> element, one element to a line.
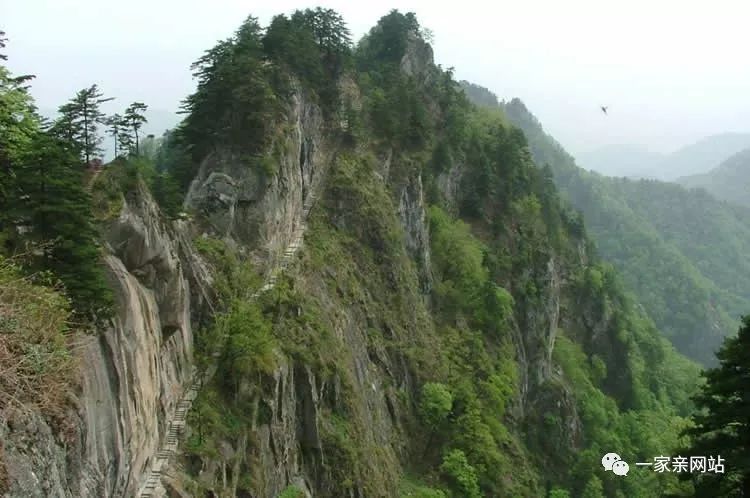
<point>68,128</point>
<point>79,120</point>
<point>56,210</point>
<point>722,425</point>
<point>330,30</point>
<point>135,118</point>
<point>115,128</point>
<point>234,105</point>
<point>3,39</point>
<point>18,124</point>
<point>593,488</point>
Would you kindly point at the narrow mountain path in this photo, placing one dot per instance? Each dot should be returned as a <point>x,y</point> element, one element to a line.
<point>92,179</point>
<point>153,488</point>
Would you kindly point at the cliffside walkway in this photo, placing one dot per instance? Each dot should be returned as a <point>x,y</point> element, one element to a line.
<point>152,488</point>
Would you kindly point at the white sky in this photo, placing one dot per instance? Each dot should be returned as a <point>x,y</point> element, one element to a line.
<point>671,71</point>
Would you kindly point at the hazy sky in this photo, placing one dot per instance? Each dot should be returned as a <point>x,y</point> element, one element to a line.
<point>671,71</point>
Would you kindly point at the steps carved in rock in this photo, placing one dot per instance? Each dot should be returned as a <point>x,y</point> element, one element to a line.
<point>176,425</point>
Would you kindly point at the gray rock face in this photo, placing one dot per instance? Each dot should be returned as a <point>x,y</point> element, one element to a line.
<point>448,182</point>
<point>258,211</point>
<point>132,373</point>
<point>137,370</point>
<point>34,461</point>
<point>411,210</point>
<point>418,60</point>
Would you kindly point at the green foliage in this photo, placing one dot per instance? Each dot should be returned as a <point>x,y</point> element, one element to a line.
<point>248,343</point>
<point>53,203</point>
<point>174,159</point>
<point>134,118</point>
<point>499,275</point>
<point>19,122</point>
<point>729,181</point>
<point>558,493</point>
<point>387,41</point>
<point>458,258</point>
<point>242,123</point>
<point>412,489</point>
<point>466,293</point>
<point>722,424</point>
<point>116,127</point>
<point>167,194</point>
<point>462,475</point>
<point>45,211</point>
<point>79,121</point>
<point>235,278</point>
<point>315,46</point>
<point>395,103</point>
<point>435,404</point>
<point>641,433</point>
<point>593,488</point>
<point>291,492</point>
<point>681,252</point>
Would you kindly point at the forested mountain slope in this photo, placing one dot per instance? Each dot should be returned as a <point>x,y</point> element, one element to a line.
<point>683,253</point>
<point>730,181</point>
<point>445,331</point>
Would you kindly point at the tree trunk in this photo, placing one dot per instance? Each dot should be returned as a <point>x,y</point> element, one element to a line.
<point>86,131</point>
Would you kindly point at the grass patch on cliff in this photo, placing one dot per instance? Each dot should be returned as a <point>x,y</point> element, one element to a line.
<point>412,488</point>
<point>355,242</point>
<point>37,365</point>
<point>235,278</point>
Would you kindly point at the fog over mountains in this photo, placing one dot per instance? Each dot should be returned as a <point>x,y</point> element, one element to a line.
<point>637,161</point>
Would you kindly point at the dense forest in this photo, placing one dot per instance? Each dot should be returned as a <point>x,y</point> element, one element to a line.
<point>682,253</point>
<point>451,326</point>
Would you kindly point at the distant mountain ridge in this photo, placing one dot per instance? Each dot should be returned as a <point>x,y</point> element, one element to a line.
<point>635,161</point>
<point>682,253</point>
<point>627,160</point>
<point>703,155</point>
<point>730,181</point>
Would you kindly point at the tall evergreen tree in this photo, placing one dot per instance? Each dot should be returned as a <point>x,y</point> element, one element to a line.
<point>68,128</point>
<point>135,118</point>
<point>234,105</point>
<point>331,33</point>
<point>722,425</point>
<point>79,120</point>
<point>18,124</point>
<point>3,39</point>
<point>115,128</point>
<point>55,208</point>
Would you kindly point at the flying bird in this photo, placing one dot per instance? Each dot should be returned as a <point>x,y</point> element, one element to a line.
<point>604,109</point>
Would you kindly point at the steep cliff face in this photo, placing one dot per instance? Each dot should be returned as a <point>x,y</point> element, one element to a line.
<point>137,369</point>
<point>140,364</point>
<point>259,209</point>
<point>457,269</point>
<point>131,375</point>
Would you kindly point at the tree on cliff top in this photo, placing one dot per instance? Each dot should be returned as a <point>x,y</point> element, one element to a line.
<point>722,426</point>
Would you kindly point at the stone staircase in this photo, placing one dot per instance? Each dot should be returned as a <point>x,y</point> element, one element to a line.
<point>152,488</point>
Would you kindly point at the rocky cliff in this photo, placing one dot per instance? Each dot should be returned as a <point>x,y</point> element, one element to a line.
<point>435,254</point>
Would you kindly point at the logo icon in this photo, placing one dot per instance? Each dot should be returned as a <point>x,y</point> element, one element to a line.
<point>613,462</point>
<point>620,468</point>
